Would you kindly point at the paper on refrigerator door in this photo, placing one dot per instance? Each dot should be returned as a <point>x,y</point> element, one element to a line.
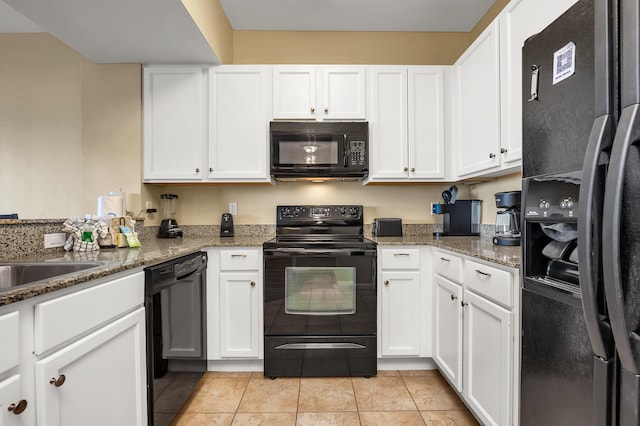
<point>564,63</point>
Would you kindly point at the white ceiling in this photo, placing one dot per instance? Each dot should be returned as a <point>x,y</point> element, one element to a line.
<point>163,32</point>
<point>355,15</point>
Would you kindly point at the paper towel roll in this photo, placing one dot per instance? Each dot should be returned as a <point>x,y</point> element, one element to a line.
<point>110,205</point>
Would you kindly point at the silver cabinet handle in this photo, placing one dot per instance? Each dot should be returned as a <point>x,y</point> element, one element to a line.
<point>326,109</point>
<point>503,150</point>
<point>454,297</point>
<point>492,155</point>
<point>401,254</point>
<point>239,255</point>
<point>313,109</point>
<point>406,169</point>
<point>386,282</point>
<point>463,303</point>
<point>413,169</point>
<point>486,274</point>
<point>444,259</point>
<point>197,170</point>
<point>253,283</point>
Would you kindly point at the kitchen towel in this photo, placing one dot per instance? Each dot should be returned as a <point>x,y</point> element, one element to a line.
<point>84,232</point>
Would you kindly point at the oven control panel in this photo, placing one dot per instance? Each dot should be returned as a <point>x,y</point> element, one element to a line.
<point>313,213</point>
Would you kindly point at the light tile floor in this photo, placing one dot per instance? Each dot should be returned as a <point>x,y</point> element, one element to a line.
<point>390,398</point>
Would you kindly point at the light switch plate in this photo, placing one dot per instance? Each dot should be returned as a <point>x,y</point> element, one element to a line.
<point>233,208</point>
<point>54,240</point>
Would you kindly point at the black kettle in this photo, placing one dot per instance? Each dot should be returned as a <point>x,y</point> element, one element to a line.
<point>226,225</point>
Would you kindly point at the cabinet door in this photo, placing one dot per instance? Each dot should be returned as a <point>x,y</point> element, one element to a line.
<point>294,92</point>
<point>182,333</point>
<point>343,93</point>
<point>387,99</point>
<point>518,21</point>
<point>174,124</point>
<point>488,354</point>
<point>240,100</point>
<point>400,313</point>
<point>447,329</point>
<point>240,314</point>
<point>426,123</point>
<point>105,378</point>
<point>10,394</point>
<point>477,121</point>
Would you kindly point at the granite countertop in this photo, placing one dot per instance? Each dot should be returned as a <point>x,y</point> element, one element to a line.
<point>478,247</point>
<point>154,251</point>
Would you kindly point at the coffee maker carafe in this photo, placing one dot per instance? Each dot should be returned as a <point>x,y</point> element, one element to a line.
<point>507,220</point>
<point>169,226</point>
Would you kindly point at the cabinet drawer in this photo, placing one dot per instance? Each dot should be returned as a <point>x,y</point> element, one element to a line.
<point>400,258</point>
<point>239,260</point>
<point>448,265</point>
<point>9,336</point>
<point>67,317</point>
<point>494,283</point>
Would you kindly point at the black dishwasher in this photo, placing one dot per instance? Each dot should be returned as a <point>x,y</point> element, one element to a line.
<point>175,307</point>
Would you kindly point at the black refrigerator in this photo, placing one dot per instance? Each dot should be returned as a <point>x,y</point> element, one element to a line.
<point>580,298</point>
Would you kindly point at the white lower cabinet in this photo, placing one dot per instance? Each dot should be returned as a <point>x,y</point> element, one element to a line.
<point>234,295</point>
<point>400,297</point>
<point>488,349</point>
<point>239,309</point>
<point>98,380</point>
<point>404,302</point>
<point>475,334</point>
<point>11,403</point>
<point>447,329</point>
<point>76,356</point>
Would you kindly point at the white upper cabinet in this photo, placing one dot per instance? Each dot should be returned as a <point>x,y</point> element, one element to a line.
<point>406,116</point>
<point>174,124</point>
<point>519,20</point>
<point>311,92</point>
<point>478,105</point>
<point>388,143</point>
<point>240,111</point>
<point>294,92</point>
<point>426,122</point>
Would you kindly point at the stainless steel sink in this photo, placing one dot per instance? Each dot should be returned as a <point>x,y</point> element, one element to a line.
<point>20,273</point>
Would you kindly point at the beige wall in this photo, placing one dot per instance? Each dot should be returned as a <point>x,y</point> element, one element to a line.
<point>300,47</point>
<point>69,129</point>
<point>214,25</point>
<point>257,203</point>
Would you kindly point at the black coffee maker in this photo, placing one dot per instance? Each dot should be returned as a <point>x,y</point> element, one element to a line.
<point>508,220</point>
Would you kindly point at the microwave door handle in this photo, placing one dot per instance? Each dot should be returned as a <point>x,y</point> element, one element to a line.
<point>345,155</point>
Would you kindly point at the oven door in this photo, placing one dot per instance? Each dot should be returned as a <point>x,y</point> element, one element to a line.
<point>319,292</point>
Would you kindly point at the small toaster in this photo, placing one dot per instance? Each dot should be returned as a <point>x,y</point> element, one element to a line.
<point>387,227</point>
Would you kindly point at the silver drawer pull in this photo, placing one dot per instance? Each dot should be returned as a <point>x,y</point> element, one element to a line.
<point>486,274</point>
<point>238,255</point>
<point>444,259</point>
<point>401,254</point>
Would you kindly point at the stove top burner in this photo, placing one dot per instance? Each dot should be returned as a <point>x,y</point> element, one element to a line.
<point>325,226</point>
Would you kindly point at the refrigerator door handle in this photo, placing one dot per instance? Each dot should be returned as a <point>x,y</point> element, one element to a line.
<point>628,133</point>
<point>590,235</point>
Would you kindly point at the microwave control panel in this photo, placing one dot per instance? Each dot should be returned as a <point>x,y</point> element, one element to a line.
<point>358,152</point>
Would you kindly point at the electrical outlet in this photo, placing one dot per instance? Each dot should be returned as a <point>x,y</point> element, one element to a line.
<point>233,208</point>
<point>55,240</point>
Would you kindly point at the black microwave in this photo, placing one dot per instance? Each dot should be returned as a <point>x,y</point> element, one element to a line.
<point>319,150</point>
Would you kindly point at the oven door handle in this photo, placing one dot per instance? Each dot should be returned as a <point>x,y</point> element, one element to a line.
<point>311,252</point>
<point>334,345</point>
